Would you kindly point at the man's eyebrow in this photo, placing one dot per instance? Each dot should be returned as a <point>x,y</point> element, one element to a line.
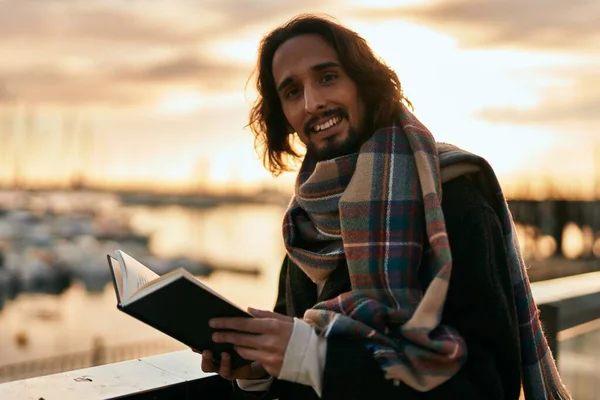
<point>318,67</point>
<point>325,65</point>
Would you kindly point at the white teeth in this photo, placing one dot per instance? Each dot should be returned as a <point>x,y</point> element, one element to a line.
<point>328,124</point>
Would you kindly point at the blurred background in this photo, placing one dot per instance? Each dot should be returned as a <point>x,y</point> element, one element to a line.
<point>122,125</point>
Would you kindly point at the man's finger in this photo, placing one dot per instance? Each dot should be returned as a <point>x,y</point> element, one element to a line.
<point>269,314</point>
<point>207,362</point>
<point>250,353</point>
<point>225,366</point>
<point>240,339</point>
<point>250,325</point>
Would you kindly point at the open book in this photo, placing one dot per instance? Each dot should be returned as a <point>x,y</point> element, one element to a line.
<point>175,303</point>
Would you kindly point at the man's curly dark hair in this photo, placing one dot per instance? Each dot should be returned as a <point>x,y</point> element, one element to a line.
<point>378,85</point>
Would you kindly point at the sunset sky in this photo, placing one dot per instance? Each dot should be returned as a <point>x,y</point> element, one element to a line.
<point>158,86</point>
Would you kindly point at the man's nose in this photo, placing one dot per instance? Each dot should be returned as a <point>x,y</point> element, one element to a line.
<point>313,101</point>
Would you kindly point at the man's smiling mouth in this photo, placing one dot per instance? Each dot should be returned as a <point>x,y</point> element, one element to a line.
<point>333,121</point>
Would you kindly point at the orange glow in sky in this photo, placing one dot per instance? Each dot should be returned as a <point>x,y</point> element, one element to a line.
<point>155,92</point>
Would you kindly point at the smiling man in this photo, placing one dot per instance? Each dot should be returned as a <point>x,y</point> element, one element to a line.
<point>403,278</point>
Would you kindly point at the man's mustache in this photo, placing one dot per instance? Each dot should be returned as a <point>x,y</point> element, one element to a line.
<point>334,112</point>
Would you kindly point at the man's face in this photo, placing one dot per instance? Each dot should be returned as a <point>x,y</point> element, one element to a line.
<point>319,100</point>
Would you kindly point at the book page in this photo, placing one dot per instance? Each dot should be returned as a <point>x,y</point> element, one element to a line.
<point>156,284</point>
<point>117,275</point>
<point>136,274</point>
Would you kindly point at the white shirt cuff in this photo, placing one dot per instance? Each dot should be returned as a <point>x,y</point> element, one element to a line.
<point>255,385</point>
<point>304,360</point>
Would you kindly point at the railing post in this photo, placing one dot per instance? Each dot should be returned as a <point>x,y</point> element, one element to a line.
<point>98,352</point>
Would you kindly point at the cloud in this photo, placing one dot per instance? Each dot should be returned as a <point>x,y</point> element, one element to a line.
<point>569,31</point>
<point>242,14</point>
<point>82,20</point>
<point>121,83</point>
<point>5,95</point>
<point>546,25</point>
<point>48,85</point>
<point>195,70</point>
<point>153,22</point>
<point>575,103</point>
<point>125,52</point>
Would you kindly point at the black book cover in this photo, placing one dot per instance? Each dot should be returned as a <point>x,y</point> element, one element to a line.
<point>182,309</point>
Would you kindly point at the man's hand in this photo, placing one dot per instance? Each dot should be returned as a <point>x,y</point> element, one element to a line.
<point>262,339</point>
<point>251,371</point>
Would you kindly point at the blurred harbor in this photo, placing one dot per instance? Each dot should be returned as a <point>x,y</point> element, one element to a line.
<point>55,291</point>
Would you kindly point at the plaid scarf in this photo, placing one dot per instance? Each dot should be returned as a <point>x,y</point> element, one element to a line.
<point>374,210</point>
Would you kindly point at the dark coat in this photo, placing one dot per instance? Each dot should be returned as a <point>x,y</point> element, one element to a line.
<point>480,305</point>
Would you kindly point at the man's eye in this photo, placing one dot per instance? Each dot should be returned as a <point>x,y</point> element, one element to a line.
<point>328,77</point>
<point>291,93</point>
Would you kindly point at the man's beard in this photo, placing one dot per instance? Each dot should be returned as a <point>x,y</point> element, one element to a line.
<point>334,147</point>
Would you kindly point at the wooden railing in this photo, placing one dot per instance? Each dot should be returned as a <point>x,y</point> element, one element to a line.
<point>99,354</point>
<point>174,375</point>
<point>570,312</point>
<point>569,309</point>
